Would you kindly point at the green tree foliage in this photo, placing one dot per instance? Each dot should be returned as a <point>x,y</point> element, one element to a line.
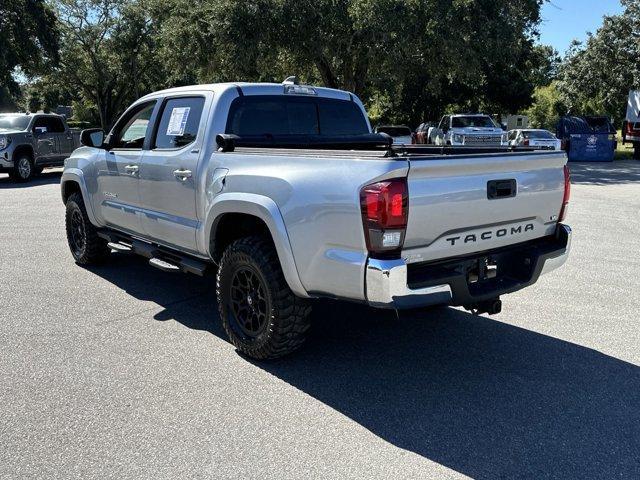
<point>28,40</point>
<point>547,107</point>
<point>596,77</point>
<point>406,58</point>
<point>108,54</point>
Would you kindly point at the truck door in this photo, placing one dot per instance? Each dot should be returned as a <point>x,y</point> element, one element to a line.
<point>45,146</point>
<point>168,172</point>
<point>117,198</point>
<point>62,137</point>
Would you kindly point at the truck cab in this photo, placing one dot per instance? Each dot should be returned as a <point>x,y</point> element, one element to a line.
<point>31,142</point>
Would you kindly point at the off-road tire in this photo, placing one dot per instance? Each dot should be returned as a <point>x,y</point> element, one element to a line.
<point>286,319</point>
<point>86,246</point>
<point>23,168</point>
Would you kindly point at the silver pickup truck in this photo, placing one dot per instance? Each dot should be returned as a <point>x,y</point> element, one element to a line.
<point>31,142</point>
<point>285,192</point>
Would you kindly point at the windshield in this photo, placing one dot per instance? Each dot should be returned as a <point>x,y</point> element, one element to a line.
<point>542,134</point>
<point>395,131</point>
<point>14,122</point>
<point>473,121</point>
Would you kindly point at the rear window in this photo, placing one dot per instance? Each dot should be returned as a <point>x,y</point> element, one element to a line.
<point>395,131</point>
<point>472,121</point>
<point>538,134</point>
<point>265,115</point>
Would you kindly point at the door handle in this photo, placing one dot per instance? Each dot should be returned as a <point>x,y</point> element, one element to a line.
<point>132,169</point>
<point>182,174</point>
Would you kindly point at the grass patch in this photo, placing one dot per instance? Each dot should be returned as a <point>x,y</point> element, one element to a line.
<point>623,152</point>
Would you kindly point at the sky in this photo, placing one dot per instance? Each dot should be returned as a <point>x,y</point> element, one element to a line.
<point>565,20</point>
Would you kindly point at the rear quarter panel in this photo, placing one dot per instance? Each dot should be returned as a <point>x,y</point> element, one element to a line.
<point>319,200</point>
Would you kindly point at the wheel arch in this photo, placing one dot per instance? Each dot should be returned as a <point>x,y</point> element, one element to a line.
<point>21,150</point>
<point>72,181</point>
<point>237,215</point>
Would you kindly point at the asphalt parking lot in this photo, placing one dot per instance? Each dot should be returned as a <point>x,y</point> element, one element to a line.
<point>123,371</point>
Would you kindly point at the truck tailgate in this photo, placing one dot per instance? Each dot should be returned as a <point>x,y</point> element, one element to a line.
<point>451,212</point>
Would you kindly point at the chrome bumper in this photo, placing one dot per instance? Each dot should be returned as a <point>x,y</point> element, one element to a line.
<point>387,287</point>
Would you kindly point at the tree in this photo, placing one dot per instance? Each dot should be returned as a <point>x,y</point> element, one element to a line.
<point>408,59</point>
<point>547,107</point>
<point>596,77</point>
<point>28,40</point>
<point>108,54</point>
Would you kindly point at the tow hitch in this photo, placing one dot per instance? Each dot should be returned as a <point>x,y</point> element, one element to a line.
<point>491,307</point>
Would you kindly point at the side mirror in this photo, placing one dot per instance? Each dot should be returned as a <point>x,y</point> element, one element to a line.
<point>92,137</point>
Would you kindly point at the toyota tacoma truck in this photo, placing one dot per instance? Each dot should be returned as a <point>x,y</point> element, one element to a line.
<point>469,130</point>
<point>29,143</point>
<point>284,192</point>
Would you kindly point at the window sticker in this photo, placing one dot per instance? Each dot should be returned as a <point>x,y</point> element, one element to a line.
<point>178,121</point>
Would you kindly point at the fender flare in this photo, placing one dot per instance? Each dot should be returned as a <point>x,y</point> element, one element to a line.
<point>75,175</point>
<point>266,210</point>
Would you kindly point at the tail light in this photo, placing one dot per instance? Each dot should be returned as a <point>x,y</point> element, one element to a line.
<point>567,194</point>
<point>385,210</point>
<point>525,142</point>
<point>632,128</point>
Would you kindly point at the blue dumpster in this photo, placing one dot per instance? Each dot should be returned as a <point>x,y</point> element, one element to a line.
<point>587,139</point>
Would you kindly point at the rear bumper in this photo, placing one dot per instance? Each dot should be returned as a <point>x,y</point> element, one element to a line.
<point>394,284</point>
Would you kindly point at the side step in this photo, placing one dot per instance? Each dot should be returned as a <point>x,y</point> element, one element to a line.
<point>165,259</point>
<point>163,265</point>
<point>119,247</point>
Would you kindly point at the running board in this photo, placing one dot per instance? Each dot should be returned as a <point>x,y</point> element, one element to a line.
<point>165,259</point>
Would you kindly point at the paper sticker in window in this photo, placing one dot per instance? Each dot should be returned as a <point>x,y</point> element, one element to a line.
<point>178,121</point>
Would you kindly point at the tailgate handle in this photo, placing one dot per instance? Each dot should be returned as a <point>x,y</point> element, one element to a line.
<point>501,189</point>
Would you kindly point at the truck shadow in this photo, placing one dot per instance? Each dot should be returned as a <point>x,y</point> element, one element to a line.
<point>484,398</point>
<point>605,173</point>
<point>48,177</point>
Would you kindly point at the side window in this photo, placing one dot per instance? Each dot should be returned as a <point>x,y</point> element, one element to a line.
<point>40,125</point>
<point>179,122</point>
<point>55,125</point>
<point>513,134</point>
<point>132,130</point>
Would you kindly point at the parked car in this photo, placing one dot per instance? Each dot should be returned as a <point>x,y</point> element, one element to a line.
<point>587,138</point>
<point>29,143</point>
<point>401,134</point>
<point>529,137</point>
<point>285,192</point>
<point>631,124</point>
<point>469,130</point>
<point>423,133</point>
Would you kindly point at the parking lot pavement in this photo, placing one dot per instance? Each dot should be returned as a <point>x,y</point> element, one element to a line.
<point>123,371</point>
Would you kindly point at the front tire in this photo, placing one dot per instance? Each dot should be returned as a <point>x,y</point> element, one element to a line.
<point>23,169</point>
<point>86,246</point>
<point>261,315</point>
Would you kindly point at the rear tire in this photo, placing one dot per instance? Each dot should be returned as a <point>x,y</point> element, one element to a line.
<point>23,169</point>
<point>636,151</point>
<point>86,246</point>
<point>261,315</point>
